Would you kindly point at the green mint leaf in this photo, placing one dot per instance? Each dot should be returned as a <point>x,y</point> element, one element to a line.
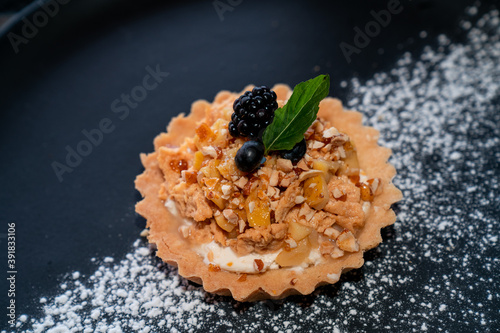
<point>293,119</point>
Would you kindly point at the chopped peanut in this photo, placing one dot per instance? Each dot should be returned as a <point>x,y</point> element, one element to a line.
<point>336,253</point>
<point>332,232</point>
<point>326,247</point>
<point>317,145</point>
<point>302,165</point>
<point>284,165</point>
<point>241,182</point>
<point>230,215</point>
<point>274,179</point>
<point>309,174</point>
<point>328,133</point>
<point>299,199</point>
<point>226,189</point>
<point>351,164</point>
<point>347,242</point>
<point>209,151</point>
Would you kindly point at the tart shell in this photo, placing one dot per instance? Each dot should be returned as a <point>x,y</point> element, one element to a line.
<point>272,284</point>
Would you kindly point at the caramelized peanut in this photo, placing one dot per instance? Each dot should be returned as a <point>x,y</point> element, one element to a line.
<point>178,165</point>
<point>205,133</point>
<point>365,192</point>
<point>213,268</point>
<point>258,264</point>
<point>191,177</point>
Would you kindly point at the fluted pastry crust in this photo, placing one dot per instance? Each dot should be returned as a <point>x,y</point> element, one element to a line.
<point>277,283</point>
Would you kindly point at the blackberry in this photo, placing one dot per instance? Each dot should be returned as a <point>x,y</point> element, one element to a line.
<point>249,156</point>
<point>253,112</point>
<point>296,153</point>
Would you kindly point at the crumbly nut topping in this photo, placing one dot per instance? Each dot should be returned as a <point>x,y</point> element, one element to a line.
<point>280,205</point>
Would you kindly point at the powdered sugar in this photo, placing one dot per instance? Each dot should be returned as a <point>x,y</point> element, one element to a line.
<point>440,115</point>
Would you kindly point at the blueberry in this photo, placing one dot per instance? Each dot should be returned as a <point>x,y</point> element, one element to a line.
<point>249,156</point>
<point>296,153</point>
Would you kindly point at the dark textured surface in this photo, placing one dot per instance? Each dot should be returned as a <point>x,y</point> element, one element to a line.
<point>13,5</point>
<point>65,79</point>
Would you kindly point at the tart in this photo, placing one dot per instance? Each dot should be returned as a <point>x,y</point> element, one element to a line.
<point>283,228</point>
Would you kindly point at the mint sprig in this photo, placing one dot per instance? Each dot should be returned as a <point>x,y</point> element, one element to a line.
<point>293,119</point>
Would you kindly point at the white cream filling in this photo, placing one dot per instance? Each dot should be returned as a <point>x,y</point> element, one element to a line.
<point>363,177</point>
<point>172,208</point>
<point>170,204</point>
<point>225,258</point>
<point>228,260</point>
<point>186,223</point>
<point>366,207</point>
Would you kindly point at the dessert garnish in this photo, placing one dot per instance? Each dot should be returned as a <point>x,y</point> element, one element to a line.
<point>250,155</point>
<point>254,113</point>
<point>296,153</point>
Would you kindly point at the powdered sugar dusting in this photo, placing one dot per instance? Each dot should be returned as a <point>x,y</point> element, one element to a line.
<point>440,115</point>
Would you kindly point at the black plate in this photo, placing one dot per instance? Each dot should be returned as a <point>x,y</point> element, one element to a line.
<point>63,79</point>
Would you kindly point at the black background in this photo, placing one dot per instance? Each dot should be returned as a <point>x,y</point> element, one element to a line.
<point>65,78</point>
